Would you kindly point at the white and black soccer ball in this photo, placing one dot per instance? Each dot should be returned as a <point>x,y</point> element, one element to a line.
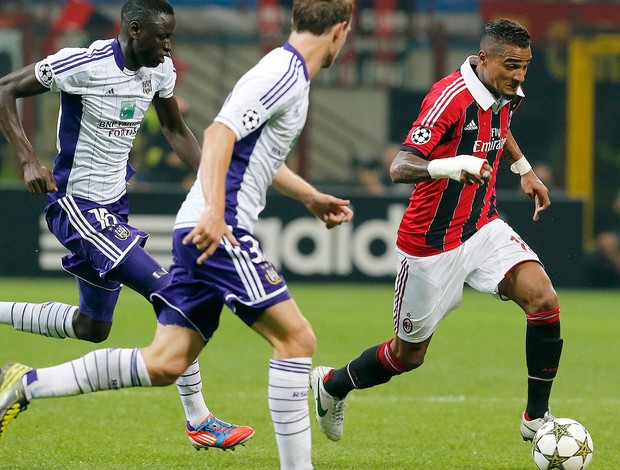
<point>562,444</point>
<point>250,119</point>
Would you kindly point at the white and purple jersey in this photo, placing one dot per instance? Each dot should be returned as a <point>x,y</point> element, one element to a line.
<point>101,107</point>
<point>267,111</point>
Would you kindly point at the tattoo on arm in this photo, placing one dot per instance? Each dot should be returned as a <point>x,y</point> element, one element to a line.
<point>409,169</point>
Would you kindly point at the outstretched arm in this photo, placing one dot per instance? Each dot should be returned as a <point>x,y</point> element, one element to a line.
<point>530,183</point>
<point>331,210</point>
<point>174,128</point>
<point>20,84</point>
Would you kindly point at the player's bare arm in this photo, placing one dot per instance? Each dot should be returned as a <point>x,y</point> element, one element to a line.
<point>530,184</point>
<point>174,128</point>
<point>20,84</point>
<point>217,150</point>
<point>409,168</point>
<point>331,210</point>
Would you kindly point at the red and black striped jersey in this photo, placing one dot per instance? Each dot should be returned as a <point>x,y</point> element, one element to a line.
<point>458,116</point>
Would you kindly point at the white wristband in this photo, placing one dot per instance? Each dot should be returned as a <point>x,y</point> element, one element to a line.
<point>521,166</point>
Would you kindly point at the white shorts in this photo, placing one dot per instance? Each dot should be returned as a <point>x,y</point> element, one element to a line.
<point>428,288</point>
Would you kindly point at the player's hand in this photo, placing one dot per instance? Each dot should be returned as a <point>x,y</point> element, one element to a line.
<point>207,234</point>
<point>38,179</point>
<point>480,178</point>
<point>331,210</point>
<point>536,190</point>
<point>466,169</point>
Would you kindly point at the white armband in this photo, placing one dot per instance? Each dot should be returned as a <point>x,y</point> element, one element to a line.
<point>521,166</point>
<point>452,167</point>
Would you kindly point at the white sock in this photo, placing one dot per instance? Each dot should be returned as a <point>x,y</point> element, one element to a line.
<point>190,390</point>
<point>288,404</point>
<point>104,369</point>
<point>52,319</point>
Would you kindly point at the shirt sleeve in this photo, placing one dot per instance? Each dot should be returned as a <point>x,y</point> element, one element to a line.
<point>438,114</point>
<point>168,83</point>
<point>261,93</point>
<point>61,71</point>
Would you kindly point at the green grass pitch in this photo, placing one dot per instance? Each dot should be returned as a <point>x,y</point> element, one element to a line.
<point>461,410</point>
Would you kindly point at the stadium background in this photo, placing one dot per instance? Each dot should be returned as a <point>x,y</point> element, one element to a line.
<point>368,99</point>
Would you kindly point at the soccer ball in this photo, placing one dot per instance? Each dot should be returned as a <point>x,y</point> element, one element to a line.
<point>562,444</point>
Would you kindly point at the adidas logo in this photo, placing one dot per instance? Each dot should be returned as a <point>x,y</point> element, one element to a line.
<point>471,126</point>
<point>112,92</point>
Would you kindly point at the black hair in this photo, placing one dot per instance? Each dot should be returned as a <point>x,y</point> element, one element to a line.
<point>144,10</point>
<point>504,31</point>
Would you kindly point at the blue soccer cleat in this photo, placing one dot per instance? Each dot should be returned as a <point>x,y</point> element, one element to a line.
<point>219,434</point>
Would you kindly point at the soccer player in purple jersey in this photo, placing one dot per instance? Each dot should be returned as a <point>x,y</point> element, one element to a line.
<point>217,260</point>
<point>451,233</point>
<point>105,90</point>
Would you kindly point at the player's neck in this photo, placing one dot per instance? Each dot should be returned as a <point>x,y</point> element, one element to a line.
<point>129,63</point>
<point>312,48</point>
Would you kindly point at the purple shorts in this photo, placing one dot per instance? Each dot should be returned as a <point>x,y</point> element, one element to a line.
<point>236,276</point>
<point>98,237</point>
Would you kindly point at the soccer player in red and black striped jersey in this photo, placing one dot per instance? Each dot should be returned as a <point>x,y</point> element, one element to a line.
<point>451,233</point>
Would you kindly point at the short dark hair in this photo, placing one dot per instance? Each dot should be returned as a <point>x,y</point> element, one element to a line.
<point>144,10</point>
<point>498,33</point>
<point>318,16</point>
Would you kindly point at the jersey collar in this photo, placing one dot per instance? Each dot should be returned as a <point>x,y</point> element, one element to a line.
<point>480,93</point>
<point>118,55</point>
<point>287,46</point>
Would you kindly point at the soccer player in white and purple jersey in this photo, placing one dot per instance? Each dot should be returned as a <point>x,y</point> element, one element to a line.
<point>217,260</point>
<point>105,90</point>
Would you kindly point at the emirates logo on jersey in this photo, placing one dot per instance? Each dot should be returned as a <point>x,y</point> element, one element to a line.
<point>421,135</point>
<point>483,146</point>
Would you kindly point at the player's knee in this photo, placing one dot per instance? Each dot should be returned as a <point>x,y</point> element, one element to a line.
<point>536,295</point>
<point>299,343</point>
<point>550,301</point>
<point>546,300</point>
<point>91,330</point>
<point>305,342</point>
<point>164,371</point>
<point>308,342</point>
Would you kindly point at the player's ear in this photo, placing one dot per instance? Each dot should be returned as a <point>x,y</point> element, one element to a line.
<point>338,30</point>
<point>134,29</point>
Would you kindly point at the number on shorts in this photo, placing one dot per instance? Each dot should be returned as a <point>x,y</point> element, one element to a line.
<point>104,217</point>
<point>520,242</point>
<point>257,255</point>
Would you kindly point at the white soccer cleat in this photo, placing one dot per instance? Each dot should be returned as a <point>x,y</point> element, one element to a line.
<point>530,426</point>
<point>329,410</point>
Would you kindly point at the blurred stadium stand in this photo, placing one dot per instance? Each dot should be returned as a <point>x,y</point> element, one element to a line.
<point>397,49</point>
